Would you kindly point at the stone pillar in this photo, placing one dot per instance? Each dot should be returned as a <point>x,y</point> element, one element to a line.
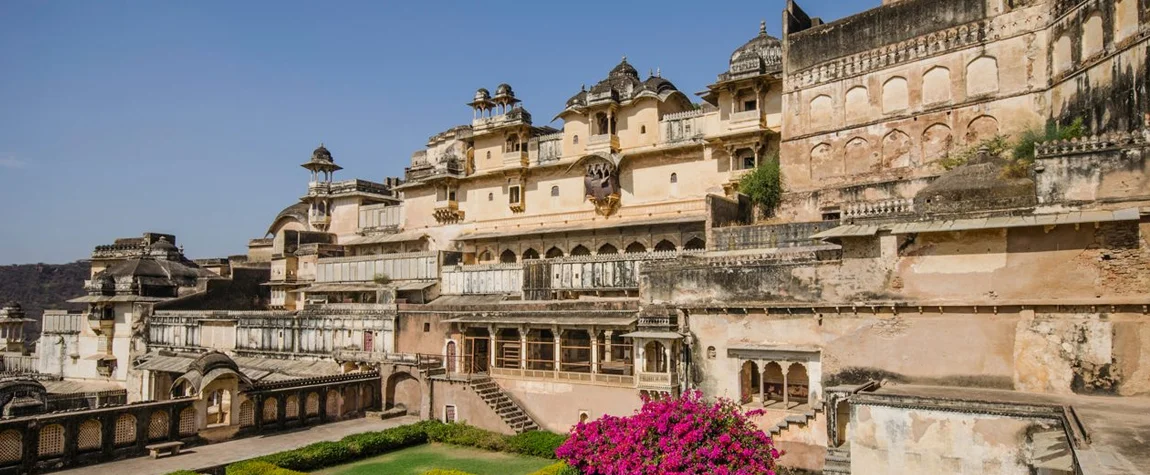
<point>607,339</point>
<point>491,332</point>
<point>522,348</point>
<point>786,397</point>
<point>763,383</point>
<point>641,355</point>
<point>667,357</point>
<point>558,334</point>
<point>594,350</point>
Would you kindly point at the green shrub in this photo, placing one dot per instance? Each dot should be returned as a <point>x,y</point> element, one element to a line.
<point>558,468</point>
<point>536,443</point>
<point>439,471</point>
<point>256,467</point>
<point>468,436</point>
<point>311,457</point>
<point>764,185</point>
<point>183,472</point>
<point>373,443</point>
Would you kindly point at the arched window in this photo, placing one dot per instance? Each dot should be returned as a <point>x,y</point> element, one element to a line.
<point>554,252</point>
<point>607,249</point>
<point>665,246</point>
<point>486,256</point>
<point>554,191</point>
<point>580,250</point>
<point>642,129</point>
<point>695,244</point>
<point>530,254</point>
<point>710,352</point>
<point>575,140</point>
<point>674,178</point>
<point>507,257</point>
<point>491,197</point>
<point>636,248</point>
<point>488,154</point>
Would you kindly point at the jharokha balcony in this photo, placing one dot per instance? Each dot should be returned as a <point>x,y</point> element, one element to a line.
<point>603,143</point>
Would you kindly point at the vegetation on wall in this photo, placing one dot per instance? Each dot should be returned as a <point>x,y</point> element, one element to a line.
<point>764,185</point>
<point>1017,153</point>
<point>381,279</point>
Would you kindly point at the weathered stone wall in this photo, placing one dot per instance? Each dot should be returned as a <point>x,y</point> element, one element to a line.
<point>899,440</point>
<point>767,236</point>
<point>556,406</point>
<point>469,407</point>
<point>1113,167</point>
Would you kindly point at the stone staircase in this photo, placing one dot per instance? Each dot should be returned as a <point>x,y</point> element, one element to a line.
<point>838,461</point>
<point>794,419</point>
<point>503,405</point>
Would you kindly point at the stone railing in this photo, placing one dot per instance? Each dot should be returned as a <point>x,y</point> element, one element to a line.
<point>891,55</point>
<point>515,159</point>
<point>660,321</point>
<point>484,279</point>
<point>746,116</point>
<point>893,207</point>
<point>20,363</point>
<point>767,236</point>
<point>60,321</point>
<point>683,126</point>
<point>514,116</point>
<point>677,208</point>
<point>602,272</point>
<point>1092,144</point>
<point>402,266</point>
<point>661,379</point>
<point>547,148</point>
<point>603,142</point>
<point>603,379</point>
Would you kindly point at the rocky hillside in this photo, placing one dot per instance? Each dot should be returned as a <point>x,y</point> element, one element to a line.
<point>40,286</point>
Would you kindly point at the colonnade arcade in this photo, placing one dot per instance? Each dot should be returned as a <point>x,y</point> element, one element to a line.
<point>779,379</point>
<point>578,353</point>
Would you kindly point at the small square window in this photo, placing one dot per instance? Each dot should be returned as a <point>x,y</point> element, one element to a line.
<point>449,413</point>
<point>426,327</point>
<point>513,195</point>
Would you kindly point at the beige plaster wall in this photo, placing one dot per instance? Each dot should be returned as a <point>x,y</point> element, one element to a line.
<point>556,406</point>
<point>469,407</point>
<point>915,441</point>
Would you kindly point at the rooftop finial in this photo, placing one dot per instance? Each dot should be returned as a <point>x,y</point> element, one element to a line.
<point>763,27</point>
<point>650,72</point>
<point>658,72</point>
<point>624,58</point>
<point>583,87</point>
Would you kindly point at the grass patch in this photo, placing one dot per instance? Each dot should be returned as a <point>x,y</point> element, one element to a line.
<point>420,459</point>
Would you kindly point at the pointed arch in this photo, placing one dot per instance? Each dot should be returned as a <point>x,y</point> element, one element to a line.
<point>530,254</point>
<point>665,246</point>
<point>607,249</point>
<point>636,248</point>
<point>695,244</point>
<point>554,252</point>
<point>508,257</point>
<point>580,250</point>
<point>896,150</point>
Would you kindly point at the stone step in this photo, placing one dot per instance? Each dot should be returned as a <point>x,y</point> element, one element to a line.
<point>838,458</point>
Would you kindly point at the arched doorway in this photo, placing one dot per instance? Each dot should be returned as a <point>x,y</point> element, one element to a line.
<point>636,248</point>
<point>451,355</point>
<point>695,244</point>
<point>219,407</point>
<point>750,382</point>
<point>404,391</point>
<point>654,358</point>
<point>798,385</point>
<point>580,250</point>
<point>773,382</point>
<point>665,246</point>
<point>530,254</point>
<point>607,249</point>
<point>554,253</point>
<point>507,257</point>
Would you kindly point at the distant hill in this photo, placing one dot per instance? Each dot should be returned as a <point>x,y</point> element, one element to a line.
<point>43,286</point>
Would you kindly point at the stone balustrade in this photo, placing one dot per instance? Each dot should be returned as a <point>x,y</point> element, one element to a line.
<point>401,266</point>
<point>524,223</point>
<point>485,279</point>
<point>381,216</point>
<point>767,236</point>
<point>892,207</point>
<point>603,143</point>
<point>1092,144</point>
<point>683,126</point>
<point>547,148</point>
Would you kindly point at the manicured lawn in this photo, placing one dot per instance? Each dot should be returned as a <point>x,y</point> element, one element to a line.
<point>416,460</point>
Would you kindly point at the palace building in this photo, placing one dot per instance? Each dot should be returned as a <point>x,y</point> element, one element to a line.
<point>916,303</point>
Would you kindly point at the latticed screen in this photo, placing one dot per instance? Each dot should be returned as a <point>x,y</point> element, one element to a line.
<point>52,440</point>
<point>312,406</point>
<point>125,429</point>
<point>11,447</point>
<point>188,421</point>
<point>292,409</point>
<point>332,402</point>
<point>158,425</point>
<point>247,414</point>
<point>270,414</point>
<point>89,437</point>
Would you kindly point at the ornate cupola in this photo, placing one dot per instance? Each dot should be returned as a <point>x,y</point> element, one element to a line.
<point>322,167</point>
<point>504,98</point>
<point>481,105</point>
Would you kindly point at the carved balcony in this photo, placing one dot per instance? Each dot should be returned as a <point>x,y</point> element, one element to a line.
<point>447,212</point>
<point>603,143</point>
<point>517,159</point>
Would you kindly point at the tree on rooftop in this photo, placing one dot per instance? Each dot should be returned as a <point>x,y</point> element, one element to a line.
<point>683,435</point>
<point>764,185</point>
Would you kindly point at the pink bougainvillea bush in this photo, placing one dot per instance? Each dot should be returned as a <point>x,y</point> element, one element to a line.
<point>687,435</point>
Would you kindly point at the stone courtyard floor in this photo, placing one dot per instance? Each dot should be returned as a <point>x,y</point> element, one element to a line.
<point>204,456</point>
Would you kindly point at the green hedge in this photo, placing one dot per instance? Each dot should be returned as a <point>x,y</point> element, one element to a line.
<point>446,472</point>
<point>353,447</point>
<point>256,467</point>
<point>558,468</point>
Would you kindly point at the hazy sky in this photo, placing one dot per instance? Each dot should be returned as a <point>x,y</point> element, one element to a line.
<point>192,118</point>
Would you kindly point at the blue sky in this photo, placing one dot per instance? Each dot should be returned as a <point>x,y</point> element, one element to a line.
<point>192,118</point>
